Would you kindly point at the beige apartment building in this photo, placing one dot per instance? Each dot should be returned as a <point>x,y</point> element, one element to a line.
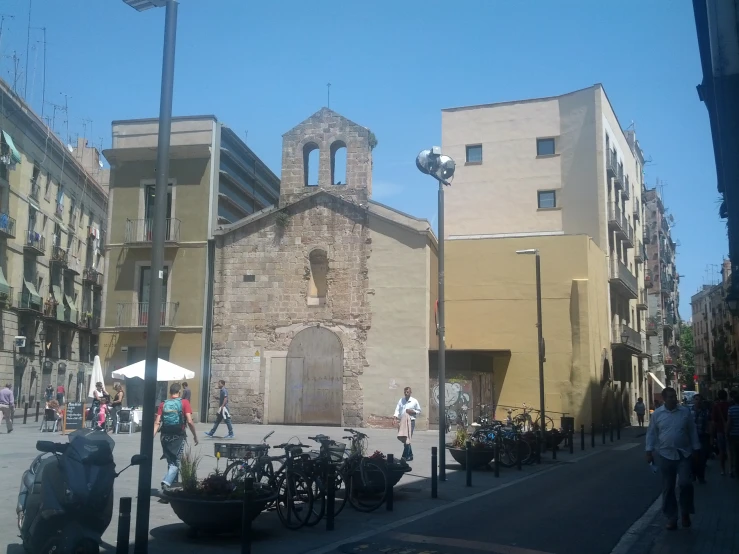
<point>214,179</point>
<point>532,174</point>
<point>52,228</point>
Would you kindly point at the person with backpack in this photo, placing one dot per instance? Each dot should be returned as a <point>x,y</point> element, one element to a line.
<point>173,415</point>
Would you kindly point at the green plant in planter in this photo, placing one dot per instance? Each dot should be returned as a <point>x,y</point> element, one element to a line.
<point>189,471</point>
<point>460,438</point>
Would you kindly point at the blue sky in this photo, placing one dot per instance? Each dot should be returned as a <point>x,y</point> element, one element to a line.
<point>262,67</point>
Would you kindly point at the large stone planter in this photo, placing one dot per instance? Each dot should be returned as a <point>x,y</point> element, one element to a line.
<point>214,515</point>
<point>479,457</point>
<point>394,474</point>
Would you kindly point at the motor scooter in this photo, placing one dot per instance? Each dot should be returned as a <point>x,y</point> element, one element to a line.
<point>65,502</point>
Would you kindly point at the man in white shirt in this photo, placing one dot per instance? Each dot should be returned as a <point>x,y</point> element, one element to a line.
<point>672,440</point>
<point>408,405</point>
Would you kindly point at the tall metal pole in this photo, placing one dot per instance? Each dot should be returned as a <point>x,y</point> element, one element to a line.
<point>542,426</point>
<point>28,46</point>
<point>442,343</point>
<point>155,288</point>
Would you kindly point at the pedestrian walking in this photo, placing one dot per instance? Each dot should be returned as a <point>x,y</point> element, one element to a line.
<point>186,392</point>
<point>640,409</point>
<point>173,416</point>
<point>407,405</point>
<point>719,415</point>
<point>732,431</point>
<point>49,393</point>
<point>223,412</point>
<point>116,404</point>
<point>672,439</point>
<point>60,392</point>
<point>702,418</point>
<point>7,406</point>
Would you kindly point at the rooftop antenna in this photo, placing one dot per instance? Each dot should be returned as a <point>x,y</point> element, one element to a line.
<point>16,70</point>
<point>246,136</point>
<point>28,45</point>
<point>3,17</point>
<point>328,90</point>
<point>43,90</point>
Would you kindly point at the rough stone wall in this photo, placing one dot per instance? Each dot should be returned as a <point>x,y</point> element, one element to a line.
<point>326,130</point>
<point>265,313</point>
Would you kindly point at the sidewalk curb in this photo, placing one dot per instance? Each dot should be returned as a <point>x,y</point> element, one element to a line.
<point>636,531</point>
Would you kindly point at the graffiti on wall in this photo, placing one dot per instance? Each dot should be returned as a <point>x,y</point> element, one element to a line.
<point>457,397</point>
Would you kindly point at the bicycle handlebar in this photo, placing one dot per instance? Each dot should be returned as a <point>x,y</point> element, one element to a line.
<point>268,435</point>
<point>289,445</point>
<point>356,433</point>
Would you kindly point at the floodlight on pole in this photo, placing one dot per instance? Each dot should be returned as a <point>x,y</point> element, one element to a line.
<point>143,506</point>
<point>540,339</point>
<point>440,167</point>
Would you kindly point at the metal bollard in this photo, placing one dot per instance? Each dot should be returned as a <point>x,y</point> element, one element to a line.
<point>554,451</point>
<point>592,435</point>
<point>246,516</point>
<point>618,430</point>
<point>468,463</point>
<point>330,496</point>
<point>389,491</point>
<point>124,525</point>
<point>25,413</point>
<point>496,464</point>
<point>603,429</point>
<point>38,407</point>
<point>611,427</point>
<point>538,447</point>
<point>572,440</point>
<point>434,476</point>
<point>518,452</point>
<point>582,437</point>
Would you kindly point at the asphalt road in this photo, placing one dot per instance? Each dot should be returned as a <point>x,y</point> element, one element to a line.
<point>584,507</point>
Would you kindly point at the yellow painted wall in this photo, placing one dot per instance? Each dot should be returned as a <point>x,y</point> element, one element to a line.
<point>491,305</point>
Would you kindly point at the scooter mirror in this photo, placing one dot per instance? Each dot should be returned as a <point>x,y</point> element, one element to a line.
<point>137,459</point>
<point>45,446</point>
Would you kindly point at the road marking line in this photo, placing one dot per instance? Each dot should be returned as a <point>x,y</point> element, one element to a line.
<point>634,532</point>
<point>462,543</point>
<point>626,446</point>
<point>410,519</point>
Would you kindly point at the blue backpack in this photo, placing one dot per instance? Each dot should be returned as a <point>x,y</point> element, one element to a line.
<point>173,418</point>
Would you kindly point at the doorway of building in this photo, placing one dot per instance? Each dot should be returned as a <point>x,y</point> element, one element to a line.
<point>314,388</point>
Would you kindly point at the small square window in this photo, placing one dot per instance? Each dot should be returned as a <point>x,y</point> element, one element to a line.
<point>547,199</point>
<point>474,153</point>
<point>545,147</point>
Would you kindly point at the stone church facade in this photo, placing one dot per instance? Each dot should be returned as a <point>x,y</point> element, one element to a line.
<point>323,305</point>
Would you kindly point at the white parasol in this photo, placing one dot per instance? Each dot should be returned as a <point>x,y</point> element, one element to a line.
<point>97,376</point>
<point>166,371</point>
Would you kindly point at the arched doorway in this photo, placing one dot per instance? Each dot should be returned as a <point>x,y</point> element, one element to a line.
<point>314,384</point>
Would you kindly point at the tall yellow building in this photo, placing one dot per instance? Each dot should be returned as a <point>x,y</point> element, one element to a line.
<point>559,175</point>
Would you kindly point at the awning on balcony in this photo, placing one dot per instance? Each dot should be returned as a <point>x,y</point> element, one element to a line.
<point>15,156</point>
<point>4,286</point>
<point>32,292</point>
<point>69,301</point>
<point>660,383</point>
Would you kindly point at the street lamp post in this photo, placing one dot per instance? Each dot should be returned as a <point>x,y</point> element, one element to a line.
<point>540,338</point>
<point>157,262</point>
<point>432,162</point>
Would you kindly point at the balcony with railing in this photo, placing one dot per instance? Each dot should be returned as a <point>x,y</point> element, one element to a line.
<point>59,256</point>
<point>7,226</point>
<point>648,282</point>
<point>641,302</point>
<point>611,163</point>
<point>6,296</point>
<point>35,190</point>
<point>92,276</point>
<point>653,325</point>
<point>626,192</point>
<point>639,251</point>
<point>620,174</point>
<point>624,336</point>
<point>141,232</point>
<point>637,211</point>
<point>667,285</point>
<point>34,244</point>
<point>136,314</point>
<point>623,280</point>
<point>74,267</point>
<point>89,320</point>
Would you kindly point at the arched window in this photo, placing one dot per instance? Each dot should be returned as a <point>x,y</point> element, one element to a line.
<point>338,163</point>
<point>318,286</point>
<point>310,164</point>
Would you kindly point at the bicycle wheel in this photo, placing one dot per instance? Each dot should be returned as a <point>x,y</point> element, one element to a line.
<point>367,486</point>
<point>320,498</point>
<point>508,453</point>
<point>294,499</point>
<point>526,452</point>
